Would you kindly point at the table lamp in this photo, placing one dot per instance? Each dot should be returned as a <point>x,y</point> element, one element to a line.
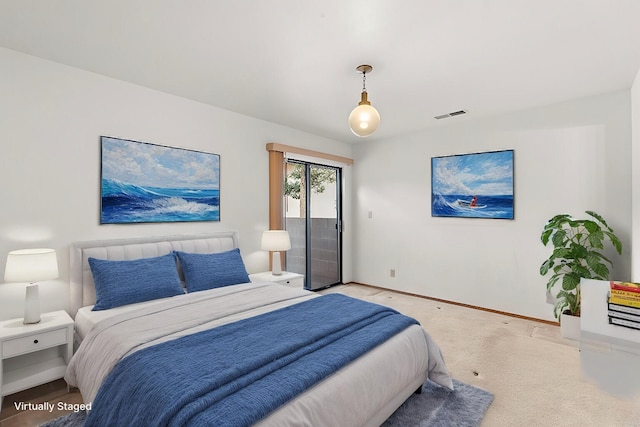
<point>276,241</point>
<point>31,265</point>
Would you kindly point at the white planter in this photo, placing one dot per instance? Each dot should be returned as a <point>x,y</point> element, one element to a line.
<point>570,327</point>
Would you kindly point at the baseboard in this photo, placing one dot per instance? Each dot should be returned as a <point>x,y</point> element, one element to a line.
<point>475,307</point>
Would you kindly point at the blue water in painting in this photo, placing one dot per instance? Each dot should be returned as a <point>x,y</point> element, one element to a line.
<point>487,206</point>
<point>122,202</point>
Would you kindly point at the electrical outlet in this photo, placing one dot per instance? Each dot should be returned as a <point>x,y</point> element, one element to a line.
<point>370,214</point>
<point>392,272</point>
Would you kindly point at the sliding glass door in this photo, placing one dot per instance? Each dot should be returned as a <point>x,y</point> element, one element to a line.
<point>313,219</point>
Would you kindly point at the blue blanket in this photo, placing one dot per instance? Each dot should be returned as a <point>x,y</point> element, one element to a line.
<point>236,374</point>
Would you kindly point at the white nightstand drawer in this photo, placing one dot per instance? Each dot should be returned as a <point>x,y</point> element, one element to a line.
<point>298,282</point>
<point>288,279</point>
<point>34,342</point>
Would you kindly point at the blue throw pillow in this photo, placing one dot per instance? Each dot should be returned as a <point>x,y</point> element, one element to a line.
<point>207,271</point>
<point>127,282</point>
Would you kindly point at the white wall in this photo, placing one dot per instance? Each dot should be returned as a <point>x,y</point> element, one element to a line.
<point>51,119</point>
<point>569,158</point>
<point>635,176</point>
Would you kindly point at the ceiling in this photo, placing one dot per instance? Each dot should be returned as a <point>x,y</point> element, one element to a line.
<point>293,62</point>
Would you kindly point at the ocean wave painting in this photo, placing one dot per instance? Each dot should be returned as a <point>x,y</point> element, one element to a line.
<point>478,185</point>
<point>144,182</point>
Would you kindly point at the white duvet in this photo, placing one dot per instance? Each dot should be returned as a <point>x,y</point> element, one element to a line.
<point>364,392</point>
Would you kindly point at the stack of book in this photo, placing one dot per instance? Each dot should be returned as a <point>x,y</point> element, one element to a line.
<point>624,304</point>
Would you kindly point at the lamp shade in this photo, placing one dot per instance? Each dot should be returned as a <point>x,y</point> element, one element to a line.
<point>364,119</point>
<point>275,240</point>
<point>31,265</point>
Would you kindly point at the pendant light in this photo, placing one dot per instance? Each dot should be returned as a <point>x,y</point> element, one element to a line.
<point>364,119</point>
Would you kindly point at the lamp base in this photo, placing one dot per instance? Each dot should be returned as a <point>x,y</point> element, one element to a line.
<point>276,266</point>
<point>31,305</point>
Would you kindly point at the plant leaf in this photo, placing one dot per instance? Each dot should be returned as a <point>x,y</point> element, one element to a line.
<point>544,268</point>
<point>601,256</point>
<point>559,238</point>
<point>552,282</point>
<point>596,239</point>
<point>614,241</point>
<point>577,251</point>
<point>601,271</point>
<point>599,218</point>
<point>561,252</point>
<point>591,226</point>
<point>570,281</point>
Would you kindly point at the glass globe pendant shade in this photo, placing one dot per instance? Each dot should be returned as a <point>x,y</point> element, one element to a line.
<point>364,119</point>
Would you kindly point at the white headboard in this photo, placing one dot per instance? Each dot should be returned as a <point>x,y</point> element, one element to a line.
<point>82,288</point>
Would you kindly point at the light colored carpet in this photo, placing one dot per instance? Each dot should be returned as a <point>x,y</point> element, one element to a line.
<point>535,376</point>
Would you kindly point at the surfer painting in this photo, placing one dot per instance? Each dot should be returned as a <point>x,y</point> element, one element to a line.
<point>473,204</point>
<point>478,185</point>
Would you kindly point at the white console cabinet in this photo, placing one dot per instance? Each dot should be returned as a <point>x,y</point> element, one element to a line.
<point>609,354</point>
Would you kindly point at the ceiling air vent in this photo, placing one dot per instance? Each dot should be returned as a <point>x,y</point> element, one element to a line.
<point>455,113</point>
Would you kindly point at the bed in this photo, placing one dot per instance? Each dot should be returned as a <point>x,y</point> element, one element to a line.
<point>296,358</point>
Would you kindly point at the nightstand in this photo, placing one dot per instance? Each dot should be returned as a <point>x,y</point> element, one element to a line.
<point>34,354</point>
<point>293,280</point>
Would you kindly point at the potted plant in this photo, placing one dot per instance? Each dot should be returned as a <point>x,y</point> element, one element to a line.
<point>577,253</point>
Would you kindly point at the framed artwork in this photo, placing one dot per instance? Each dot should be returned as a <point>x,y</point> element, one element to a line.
<point>142,182</point>
<point>478,185</point>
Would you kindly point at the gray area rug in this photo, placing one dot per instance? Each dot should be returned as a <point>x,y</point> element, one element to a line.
<point>74,419</point>
<point>465,406</point>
